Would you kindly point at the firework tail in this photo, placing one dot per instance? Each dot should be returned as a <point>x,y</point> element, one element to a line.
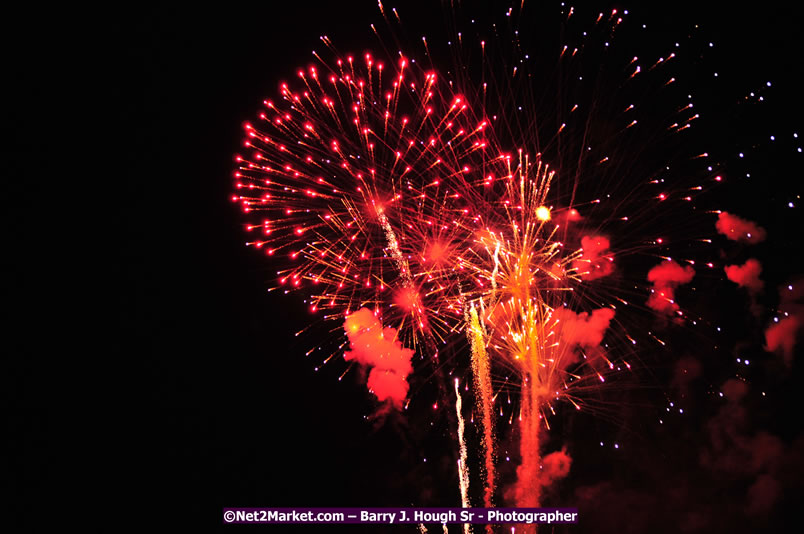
<point>484,398</point>
<point>463,467</point>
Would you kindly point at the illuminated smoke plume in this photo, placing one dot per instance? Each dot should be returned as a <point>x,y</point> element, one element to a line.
<point>737,229</point>
<point>666,277</point>
<point>582,328</point>
<point>596,261</point>
<point>555,466</point>
<point>781,338</point>
<point>378,348</point>
<point>746,275</point>
<point>534,478</point>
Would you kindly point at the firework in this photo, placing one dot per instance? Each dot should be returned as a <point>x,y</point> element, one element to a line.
<point>407,198</point>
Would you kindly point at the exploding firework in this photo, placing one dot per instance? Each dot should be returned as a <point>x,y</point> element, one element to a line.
<point>506,208</point>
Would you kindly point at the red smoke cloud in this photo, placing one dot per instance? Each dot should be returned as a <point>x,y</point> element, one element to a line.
<point>738,229</point>
<point>596,261</point>
<point>666,277</point>
<point>555,466</point>
<point>745,480</point>
<point>378,348</point>
<point>581,328</point>
<point>568,216</point>
<point>746,275</point>
<point>762,495</point>
<point>737,453</point>
<point>731,449</point>
<point>781,337</point>
<point>534,478</point>
<point>734,390</point>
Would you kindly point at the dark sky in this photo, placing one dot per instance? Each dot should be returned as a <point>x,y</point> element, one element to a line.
<point>206,398</point>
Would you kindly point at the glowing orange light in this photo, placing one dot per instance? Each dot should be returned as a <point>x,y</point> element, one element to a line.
<point>543,213</point>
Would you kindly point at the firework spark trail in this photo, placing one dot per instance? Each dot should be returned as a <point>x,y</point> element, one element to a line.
<point>496,266</point>
<point>534,388</point>
<point>484,396</point>
<point>529,278</point>
<point>393,244</point>
<point>528,484</point>
<point>463,467</point>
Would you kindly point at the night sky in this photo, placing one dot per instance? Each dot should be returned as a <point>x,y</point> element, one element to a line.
<point>205,398</point>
